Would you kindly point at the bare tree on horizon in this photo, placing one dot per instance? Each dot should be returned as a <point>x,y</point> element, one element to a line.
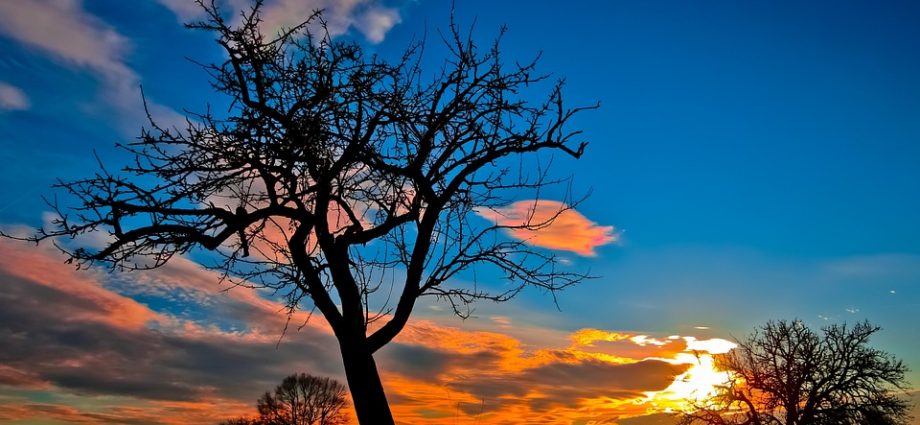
<point>300,399</point>
<point>787,374</point>
<point>336,179</point>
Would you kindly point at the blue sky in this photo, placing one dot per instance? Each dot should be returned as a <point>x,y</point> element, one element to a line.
<point>759,160</point>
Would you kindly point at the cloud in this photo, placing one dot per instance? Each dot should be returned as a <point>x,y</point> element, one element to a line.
<point>64,31</point>
<point>369,17</point>
<point>64,329</point>
<point>376,21</point>
<point>114,410</point>
<point>653,419</point>
<point>170,346</point>
<point>19,378</point>
<point>185,10</point>
<point>12,98</point>
<point>495,378</point>
<point>877,266</point>
<point>569,230</point>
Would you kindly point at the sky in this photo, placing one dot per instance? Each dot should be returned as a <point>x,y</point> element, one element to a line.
<point>750,161</point>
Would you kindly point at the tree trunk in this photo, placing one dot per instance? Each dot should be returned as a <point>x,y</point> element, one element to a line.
<point>364,383</point>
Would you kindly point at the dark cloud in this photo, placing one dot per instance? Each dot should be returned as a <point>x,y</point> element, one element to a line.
<point>646,375</point>
<point>414,361</point>
<point>571,383</point>
<point>426,363</point>
<point>54,336</point>
<point>561,379</point>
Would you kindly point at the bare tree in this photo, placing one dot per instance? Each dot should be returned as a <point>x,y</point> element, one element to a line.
<point>242,421</point>
<point>300,399</point>
<point>787,374</point>
<point>336,175</point>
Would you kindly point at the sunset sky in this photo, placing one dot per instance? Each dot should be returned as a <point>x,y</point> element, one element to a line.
<point>750,161</point>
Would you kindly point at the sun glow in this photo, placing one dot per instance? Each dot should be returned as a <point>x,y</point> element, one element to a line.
<point>700,382</point>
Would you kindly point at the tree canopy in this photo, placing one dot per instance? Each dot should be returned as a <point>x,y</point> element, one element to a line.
<point>300,399</point>
<point>337,177</point>
<point>785,373</point>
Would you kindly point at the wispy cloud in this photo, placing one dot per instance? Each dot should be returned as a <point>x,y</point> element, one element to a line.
<point>64,31</point>
<point>878,266</point>
<point>12,98</point>
<point>569,230</point>
<point>185,10</point>
<point>375,21</point>
<point>369,17</point>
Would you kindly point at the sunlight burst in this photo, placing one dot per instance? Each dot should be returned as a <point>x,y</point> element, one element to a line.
<point>700,381</point>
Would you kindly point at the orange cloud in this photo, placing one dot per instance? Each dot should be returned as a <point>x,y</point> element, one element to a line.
<point>206,354</point>
<point>444,373</point>
<point>589,336</point>
<point>40,265</point>
<point>77,332</point>
<point>120,410</point>
<point>569,230</point>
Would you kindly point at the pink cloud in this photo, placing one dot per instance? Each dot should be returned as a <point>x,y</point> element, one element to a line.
<point>77,332</point>
<point>19,378</point>
<point>568,231</point>
<point>42,266</point>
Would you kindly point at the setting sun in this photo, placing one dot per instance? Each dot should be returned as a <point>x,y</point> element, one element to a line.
<point>700,381</point>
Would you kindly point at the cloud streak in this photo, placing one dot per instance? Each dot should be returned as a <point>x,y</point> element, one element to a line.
<point>65,32</point>
<point>12,98</point>
<point>62,29</point>
<point>551,224</point>
<point>369,17</point>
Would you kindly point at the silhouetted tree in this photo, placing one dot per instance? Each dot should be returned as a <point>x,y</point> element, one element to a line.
<point>787,374</point>
<point>300,400</point>
<point>242,421</point>
<point>337,173</point>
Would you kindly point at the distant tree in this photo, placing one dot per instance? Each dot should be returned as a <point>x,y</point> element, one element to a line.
<point>336,174</point>
<point>300,400</point>
<point>787,374</point>
<point>242,421</point>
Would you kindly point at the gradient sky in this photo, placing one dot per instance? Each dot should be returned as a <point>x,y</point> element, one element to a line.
<point>750,161</point>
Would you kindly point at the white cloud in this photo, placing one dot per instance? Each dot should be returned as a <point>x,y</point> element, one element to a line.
<point>12,98</point>
<point>64,31</point>
<point>376,21</point>
<point>370,18</point>
<point>185,10</point>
